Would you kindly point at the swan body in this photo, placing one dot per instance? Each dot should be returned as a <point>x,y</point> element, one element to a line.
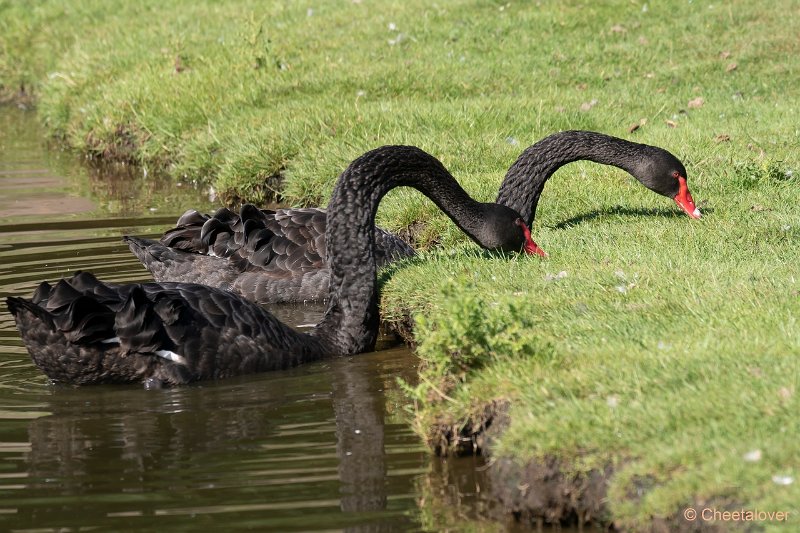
<point>267,256</point>
<point>83,331</point>
<point>280,256</point>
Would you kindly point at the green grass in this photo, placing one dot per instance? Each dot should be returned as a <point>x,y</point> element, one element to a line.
<point>672,380</point>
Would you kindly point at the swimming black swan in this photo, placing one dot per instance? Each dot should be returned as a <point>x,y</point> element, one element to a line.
<point>83,331</point>
<point>273,256</point>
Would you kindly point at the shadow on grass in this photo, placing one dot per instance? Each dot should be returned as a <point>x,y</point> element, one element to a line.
<point>624,211</point>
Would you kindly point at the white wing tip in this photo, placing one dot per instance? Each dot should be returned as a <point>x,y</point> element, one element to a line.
<point>171,356</point>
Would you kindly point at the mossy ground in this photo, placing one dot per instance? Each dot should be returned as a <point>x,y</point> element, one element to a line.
<point>669,348</point>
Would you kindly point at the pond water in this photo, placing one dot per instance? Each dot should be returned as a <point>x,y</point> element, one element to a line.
<point>325,446</point>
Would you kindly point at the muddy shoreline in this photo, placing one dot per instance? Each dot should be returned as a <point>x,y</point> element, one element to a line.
<point>551,490</point>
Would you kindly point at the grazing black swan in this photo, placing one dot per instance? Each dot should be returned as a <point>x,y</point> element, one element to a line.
<point>83,331</point>
<point>279,256</point>
<point>654,167</point>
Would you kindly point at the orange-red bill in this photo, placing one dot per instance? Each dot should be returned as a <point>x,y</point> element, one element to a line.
<point>530,247</point>
<point>684,199</point>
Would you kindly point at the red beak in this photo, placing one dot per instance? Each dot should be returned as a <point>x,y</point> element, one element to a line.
<point>684,199</point>
<point>530,247</point>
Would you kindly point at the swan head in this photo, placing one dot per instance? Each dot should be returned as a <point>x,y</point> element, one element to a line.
<point>663,173</point>
<point>502,228</point>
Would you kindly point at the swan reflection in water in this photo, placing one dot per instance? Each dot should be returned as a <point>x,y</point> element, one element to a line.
<point>266,449</point>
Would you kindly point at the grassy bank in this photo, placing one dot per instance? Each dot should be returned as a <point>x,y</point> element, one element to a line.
<point>665,353</point>
<point>233,95</point>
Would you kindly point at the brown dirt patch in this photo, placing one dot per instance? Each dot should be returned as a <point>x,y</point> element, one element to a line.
<point>546,491</point>
<point>402,328</point>
<point>120,147</point>
<point>19,96</point>
<point>413,233</point>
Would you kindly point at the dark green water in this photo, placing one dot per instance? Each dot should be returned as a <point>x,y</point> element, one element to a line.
<point>320,447</point>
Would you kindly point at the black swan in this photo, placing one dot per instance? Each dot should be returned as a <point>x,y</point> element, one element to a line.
<point>274,256</point>
<point>654,167</point>
<point>83,331</point>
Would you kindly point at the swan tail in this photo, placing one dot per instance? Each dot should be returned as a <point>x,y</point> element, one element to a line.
<point>175,265</point>
<point>79,338</point>
<point>145,250</point>
<point>18,306</point>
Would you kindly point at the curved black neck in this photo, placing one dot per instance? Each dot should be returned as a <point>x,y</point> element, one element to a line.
<point>350,324</point>
<point>525,179</point>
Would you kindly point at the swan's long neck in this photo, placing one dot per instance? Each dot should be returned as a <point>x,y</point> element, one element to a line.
<point>525,179</point>
<point>351,321</point>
